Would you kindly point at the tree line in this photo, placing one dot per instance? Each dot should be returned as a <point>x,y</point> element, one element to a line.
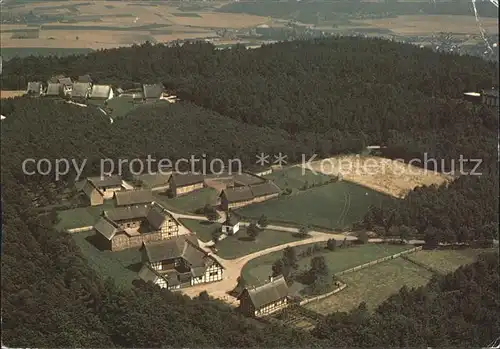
<point>327,96</point>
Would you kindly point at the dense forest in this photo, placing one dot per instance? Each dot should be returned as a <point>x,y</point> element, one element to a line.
<point>324,96</point>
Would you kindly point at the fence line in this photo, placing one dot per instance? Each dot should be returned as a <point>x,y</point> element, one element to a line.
<point>421,265</point>
<point>317,298</point>
<point>380,260</point>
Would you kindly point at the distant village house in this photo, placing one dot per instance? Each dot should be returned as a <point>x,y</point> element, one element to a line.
<point>152,92</point>
<point>490,97</point>
<point>102,92</point>
<point>66,83</point>
<point>54,90</point>
<point>35,89</point>
<point>80,91</point>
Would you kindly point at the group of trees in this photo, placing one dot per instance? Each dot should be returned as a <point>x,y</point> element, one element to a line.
<point>322,96</point>
<point>286,265</point>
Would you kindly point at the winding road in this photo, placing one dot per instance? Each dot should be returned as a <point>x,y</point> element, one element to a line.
<point>233,267</point>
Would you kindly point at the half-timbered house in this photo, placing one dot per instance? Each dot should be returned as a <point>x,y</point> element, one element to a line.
<point>126,227</point>
<point>265,299</point>
<point>179,262</point>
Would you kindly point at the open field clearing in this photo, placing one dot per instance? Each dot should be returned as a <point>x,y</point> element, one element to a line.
<point>106,24</point>
<point>383,175</point>
<point>121,266</point>
<point>428,24</point>
<point>239,245</point>
<point>373,285</point>
<point>11,93</point>
<point>219,20</point>
<point>297,178</point>
<point>446,261</point>
<point>203,229</point>
<point>257,270</point>
<point>332,206</point>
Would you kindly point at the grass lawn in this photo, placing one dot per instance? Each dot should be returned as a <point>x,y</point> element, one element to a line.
<point>82,216</point>
<point>191,201</point>
<point>373,285</point>
<point>341,259</point>
<point>203,229</point>
<point>446,261</point>
<point>294,178</point>
<point>333,206</point>
<point>121,106</point>
<point>122,266</point>
<point>239,245</point>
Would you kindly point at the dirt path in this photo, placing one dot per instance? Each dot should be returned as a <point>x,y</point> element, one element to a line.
<point>233,267</point>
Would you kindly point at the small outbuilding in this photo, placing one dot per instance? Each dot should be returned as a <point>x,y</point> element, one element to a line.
<point>231,226</point>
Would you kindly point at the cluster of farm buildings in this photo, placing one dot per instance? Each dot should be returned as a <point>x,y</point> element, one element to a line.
<point>83,89</point>
<point>172,257</point>
<point>487,97</point>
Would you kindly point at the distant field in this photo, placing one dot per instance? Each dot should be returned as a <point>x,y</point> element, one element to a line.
<point>121,266</point>
<point>428,24</point>
<point>296,178</point>
<point>102,27</point>
<point>446,261</point>
<point>186,14</point>
<point>107,24</point>
<point>383,175</point>
<point>192,201</point>
<point>239,245</point>
<point>203,229</point>
<point>11,93</point>
<point>373,285</point>
<point>333,206</point>
<point>341,259</point>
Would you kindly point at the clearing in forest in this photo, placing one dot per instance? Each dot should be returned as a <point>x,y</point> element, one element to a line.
<point>331,206</point>
<point>446,261</point>
<point>257,270</point>
<point>387,176</point>
<point>373,285</point>
<point>11,93</point>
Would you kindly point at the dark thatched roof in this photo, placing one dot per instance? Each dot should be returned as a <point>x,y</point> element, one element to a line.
<point>268,293</point>
<point>133,197</point>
